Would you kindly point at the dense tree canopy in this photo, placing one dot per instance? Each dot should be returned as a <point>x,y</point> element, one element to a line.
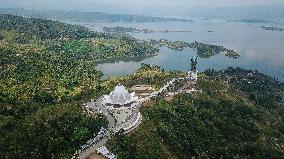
<point>46,69</point>
<point>43,29</point>
<point>222,122</point>
<point>48,61</point>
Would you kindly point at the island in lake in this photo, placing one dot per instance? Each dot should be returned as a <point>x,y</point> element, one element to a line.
<point>202,50</point>
<point>119,29</point>
<point>272,28</point>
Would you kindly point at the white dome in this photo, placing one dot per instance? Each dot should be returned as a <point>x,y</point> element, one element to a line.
<point>120,96</point>
<point>119,90</point>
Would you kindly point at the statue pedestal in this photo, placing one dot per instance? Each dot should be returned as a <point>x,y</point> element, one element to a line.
<point>192,75</point>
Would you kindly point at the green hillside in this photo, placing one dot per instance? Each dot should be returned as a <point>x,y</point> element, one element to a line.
<point>47,68</point>
<point>227,120</point>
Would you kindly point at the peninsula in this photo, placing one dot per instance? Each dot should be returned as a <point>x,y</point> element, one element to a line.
<point>119,29</point>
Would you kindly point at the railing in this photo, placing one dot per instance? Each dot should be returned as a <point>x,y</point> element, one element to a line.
<point>162,89</point>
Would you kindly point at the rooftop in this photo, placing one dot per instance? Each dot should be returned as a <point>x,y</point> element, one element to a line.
<point>120,96</point>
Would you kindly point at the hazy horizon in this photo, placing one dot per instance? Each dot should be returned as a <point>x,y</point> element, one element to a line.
<point>149,7</point>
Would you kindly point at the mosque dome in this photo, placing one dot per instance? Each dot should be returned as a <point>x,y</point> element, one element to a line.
<point>120,96</point>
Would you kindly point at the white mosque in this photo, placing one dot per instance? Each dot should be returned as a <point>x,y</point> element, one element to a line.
<point>124,107</point>
<point>120,97</point>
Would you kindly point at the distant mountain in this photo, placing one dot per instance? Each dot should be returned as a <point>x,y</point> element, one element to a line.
<point>79,16</point>
<point>250,14</point>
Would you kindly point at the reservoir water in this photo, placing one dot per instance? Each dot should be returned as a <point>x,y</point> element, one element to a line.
<point>259,49</point>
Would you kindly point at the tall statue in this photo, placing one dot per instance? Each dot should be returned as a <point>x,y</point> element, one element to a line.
<point>192,74</point>
<point>193,63</point>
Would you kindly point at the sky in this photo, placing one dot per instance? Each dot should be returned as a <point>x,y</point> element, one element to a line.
<point>69,4</point>
<point>194,3</point>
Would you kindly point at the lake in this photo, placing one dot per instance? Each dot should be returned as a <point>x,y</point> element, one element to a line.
<point>259,49</point>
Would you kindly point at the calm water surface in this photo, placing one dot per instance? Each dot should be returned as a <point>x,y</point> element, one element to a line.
<point>260,49</point>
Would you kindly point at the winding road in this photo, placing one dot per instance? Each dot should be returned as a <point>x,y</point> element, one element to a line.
<point>110,130</point>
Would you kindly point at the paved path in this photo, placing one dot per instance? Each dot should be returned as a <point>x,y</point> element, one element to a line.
<point>136,125</point>
<point>93,148</point>
<point>110,118</point>
<point>162,89</point>
<point>110,130</point>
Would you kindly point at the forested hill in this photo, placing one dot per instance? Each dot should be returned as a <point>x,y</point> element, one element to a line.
<point>40,84</point>
<point>46,69</point>
<point>59,52</point>
<point>239,114</point>
<point>41,28</point>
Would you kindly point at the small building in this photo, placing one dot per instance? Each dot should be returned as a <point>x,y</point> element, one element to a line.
<point>105,152</point>
<point>142,90</point>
